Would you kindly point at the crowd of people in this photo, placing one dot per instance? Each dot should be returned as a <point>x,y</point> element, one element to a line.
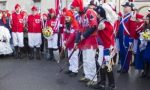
<point>96,34</point>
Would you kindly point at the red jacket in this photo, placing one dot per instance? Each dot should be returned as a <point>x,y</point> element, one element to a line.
<point>90,19</point>
<point>139,29</point>
<point>34,24</point>
<point>106,35</point>
<point>17,22</point>
<point>71,36</point>
<point>132,26</point>
<point>52,23</point>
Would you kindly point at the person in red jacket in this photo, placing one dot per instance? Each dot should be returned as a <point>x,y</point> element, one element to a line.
<point>70,32</point>
<point>53,41</point>
<point>106,39</point>
<point>90,45</point>
<point>34,24</point>
<point>127,35</point>
<point>17,26</point>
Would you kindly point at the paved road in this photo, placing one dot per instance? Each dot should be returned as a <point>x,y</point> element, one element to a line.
<point>43,75</point>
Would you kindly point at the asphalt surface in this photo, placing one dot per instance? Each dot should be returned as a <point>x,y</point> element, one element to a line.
<point>44,75</point>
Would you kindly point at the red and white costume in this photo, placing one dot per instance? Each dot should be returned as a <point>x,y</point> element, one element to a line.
<point>105,34</point>
<point>53,41</point>
<point>89,45</point>
<point>17,24</point>
<point>69,39</point>
<point>34,23</point>
<point>134,27</point>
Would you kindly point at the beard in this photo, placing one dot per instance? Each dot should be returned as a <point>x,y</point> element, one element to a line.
<point>68,25</point>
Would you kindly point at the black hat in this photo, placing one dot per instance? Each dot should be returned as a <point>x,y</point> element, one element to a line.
<point>129,4</point>
<point>100,10</point>
<point>92,3</point>
<point>149,9</point>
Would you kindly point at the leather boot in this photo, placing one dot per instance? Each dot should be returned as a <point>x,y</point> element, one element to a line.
<point>31,53</point>
<point>16,52</point>
<point>38,53</point>
<point>51,54</point>
<point>102,84</point>
<point>111,80</point>
<point>20,52</point>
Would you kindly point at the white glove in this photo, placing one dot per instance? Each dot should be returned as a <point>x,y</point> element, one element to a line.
<point>101,26</point>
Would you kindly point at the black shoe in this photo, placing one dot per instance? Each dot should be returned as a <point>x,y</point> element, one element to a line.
<point>73,74</point>
<point>53,60</point>
<point>97,86</point>
<point>83,79</point>
<point>100,85</point>
<point>68,72</point>
<point>132,64</point>
<point>16,52</point>
<point>112,87</point>
<point>31,57</point>
<point>143,75</point>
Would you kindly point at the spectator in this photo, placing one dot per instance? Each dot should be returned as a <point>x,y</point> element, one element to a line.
<point>145,43</point>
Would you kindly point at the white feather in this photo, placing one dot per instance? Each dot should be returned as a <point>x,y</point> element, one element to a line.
<point>111,15</point>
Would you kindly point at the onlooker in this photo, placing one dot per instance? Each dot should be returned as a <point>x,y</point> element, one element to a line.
<point>145,43</point>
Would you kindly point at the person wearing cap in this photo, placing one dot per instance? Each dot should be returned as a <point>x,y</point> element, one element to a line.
<point>53,41</point>
<point>127,35</point>
<point>34,25</point>
<point>69,41</point>
<point>17,25</point>
<point>87,37</point>
<point>106,40</point>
